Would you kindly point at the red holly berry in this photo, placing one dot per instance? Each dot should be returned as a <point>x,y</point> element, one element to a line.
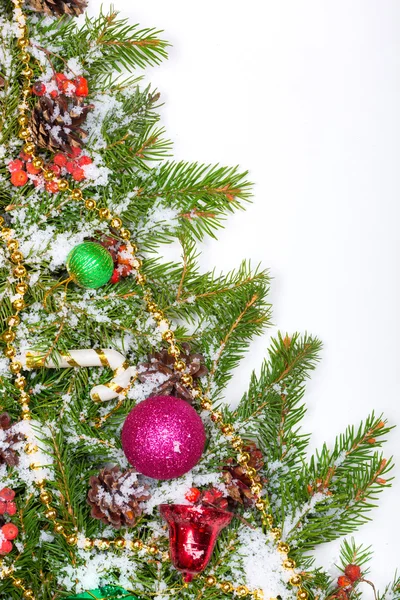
<point>81,86</point>
<point>75,152</point>
<point>344,582</point>
<point>7,494</point>
<point>3,507</point>
<point>38,88</point>
<point>66,86</point>
<point>78,174</point>
<point>115,277</point>
<point>5,547</point>
<point>11,508</point>
<point>10,531</point>
<point>24,156</point>
<point>15,165</point>
<point>31,169</point>
<point>55,168</point>
<point>60,159</point>
<point>215,497</point>
<point>52,187</point>
<point>59,78</point>
<point>124,270</point>
<point>19,178</point>
<point>124,257</point>
<point>353,572</point>
<point>70,166</point>
<point>193,495</point>
<point>84,160</point>
<point>54,93</point>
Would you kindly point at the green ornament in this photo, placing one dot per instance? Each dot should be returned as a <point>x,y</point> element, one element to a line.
<point>90,265</point>
<point>108,592</point>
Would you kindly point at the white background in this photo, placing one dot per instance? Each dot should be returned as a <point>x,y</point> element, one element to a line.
<point>306,95</point>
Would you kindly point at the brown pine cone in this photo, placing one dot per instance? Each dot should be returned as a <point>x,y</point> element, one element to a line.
<point>237,482</point>
<point>59,7</point>
<point>56,122</point>
<point>8,439</point>
<point>160,371</point>
<point>115,496</point>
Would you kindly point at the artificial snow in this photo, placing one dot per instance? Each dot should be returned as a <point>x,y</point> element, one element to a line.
<point>302,513</point>
<point>259,564</point>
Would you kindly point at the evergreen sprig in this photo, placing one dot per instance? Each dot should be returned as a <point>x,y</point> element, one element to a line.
<point>313,499</point>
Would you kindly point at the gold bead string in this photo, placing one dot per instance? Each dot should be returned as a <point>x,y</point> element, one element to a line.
<point>262,503</point>
<point>6,571</point>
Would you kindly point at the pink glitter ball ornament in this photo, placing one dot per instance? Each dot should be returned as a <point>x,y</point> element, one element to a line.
<point>163,437</point>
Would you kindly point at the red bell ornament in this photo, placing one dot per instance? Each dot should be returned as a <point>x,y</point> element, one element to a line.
<point>193,531</point>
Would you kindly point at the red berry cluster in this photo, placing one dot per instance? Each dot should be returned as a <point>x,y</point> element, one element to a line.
<point>121,256</point>
<point>8,531</point>
<point>62,164</point>
<point>71,163</point>
<point>210,497</point>
<point>345,583</point>
<point>7,504</point>
<point>69,87</point>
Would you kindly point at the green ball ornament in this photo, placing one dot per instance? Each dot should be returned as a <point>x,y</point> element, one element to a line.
<point>108,592</point>
<point>90,265</point>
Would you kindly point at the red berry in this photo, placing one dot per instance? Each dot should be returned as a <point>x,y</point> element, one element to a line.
<point>75,152</point>
<point>81,86</point>
<point>193,495</point>
<point>124,270</point>
<point>10,531</point>
<point>7,494</point>
<point>78,174</point>
<point>38,88</point>
<point>60,77</point>
<point>52,187</point>
<point>84,160</point>
<point>124,257</point>
<point>15,165</point>
<point>3,507</point>
<point>223,504</point>
<point>54,93</point>
<point>344,582</point>
<point>66,86</point>
<point>55,168</point>
<point>209,497</point>
<point>60,159</point>
<point>11,508</point>
<point>353,572</point>
<point>24,156</point>
<point>19,178</point>
<point>31,169</point>
<point>115,277</point>
<point>70,166</point>
<point>5,547</point>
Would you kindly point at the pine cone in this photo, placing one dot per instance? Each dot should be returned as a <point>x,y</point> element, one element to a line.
<point>115,497</point>
<point>160,371</point>
<point>59,7</point>
<point>56,123</point>
<point>8,438</point>
<point>236,480</point>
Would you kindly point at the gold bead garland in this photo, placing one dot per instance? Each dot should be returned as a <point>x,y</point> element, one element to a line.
<point>227,429</point>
